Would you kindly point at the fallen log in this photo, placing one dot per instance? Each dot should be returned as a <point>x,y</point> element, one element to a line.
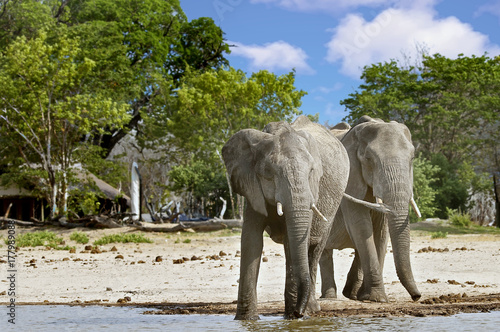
<point>90,222</point>
<point>197,226</point>
<point>4,221</point>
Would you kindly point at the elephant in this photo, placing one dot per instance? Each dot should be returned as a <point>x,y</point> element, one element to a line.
<point>381,157</point>
<point>293,177</point>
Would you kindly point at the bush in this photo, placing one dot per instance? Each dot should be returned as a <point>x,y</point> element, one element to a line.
<point>459,219</point>
<point>439,235</point>
<point>40,238</point>
<point>123,238</point>
<point>79,237</point>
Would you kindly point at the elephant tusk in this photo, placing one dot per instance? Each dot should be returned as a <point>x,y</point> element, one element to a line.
<point>279,209</point>
<point>315,209</point>
<point>380,207</point>
<point>415,207</point>
<point>379,200</point>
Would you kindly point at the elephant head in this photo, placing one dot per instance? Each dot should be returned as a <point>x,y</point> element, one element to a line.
<point>381,156</point>
<point>278,171</point>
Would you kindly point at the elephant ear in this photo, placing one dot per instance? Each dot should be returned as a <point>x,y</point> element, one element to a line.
<point>317,170</point>
<point>356,186</point>
<point>241,154</point>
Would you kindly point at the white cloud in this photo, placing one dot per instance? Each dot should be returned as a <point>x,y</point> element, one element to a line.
<point>489,8</point>
<point>357,42</point>
<point>274,56</point>
<point>323,5</point>
<point>328,89</point>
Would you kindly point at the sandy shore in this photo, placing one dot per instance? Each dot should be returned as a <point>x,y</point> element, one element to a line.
<point>149,274</point>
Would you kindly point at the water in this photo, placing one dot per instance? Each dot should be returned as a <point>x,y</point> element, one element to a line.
<point>98,318</point>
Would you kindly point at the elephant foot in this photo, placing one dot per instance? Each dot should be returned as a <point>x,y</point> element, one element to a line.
<point>373,295</point>
<point>352,290</point>
<point>313,306</point>
<point>246,313</point>
<point>246,317</point>
<point>350,294</point>
<point>329,294</point>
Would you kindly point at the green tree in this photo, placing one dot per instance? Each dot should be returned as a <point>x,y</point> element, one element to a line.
<point>46,107</point>
<point>451,106</point>
<point>203,184</point>
<point>210,107</point>
<point>140,49</point>
<point>424,175</point>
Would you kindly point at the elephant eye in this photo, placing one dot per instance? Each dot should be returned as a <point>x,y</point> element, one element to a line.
<point>266,172</point>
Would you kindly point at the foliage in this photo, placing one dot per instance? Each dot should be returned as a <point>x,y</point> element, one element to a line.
<point>137,46</point>
<point>79,237</point>
<point>84,201</point>
<point>459,218</point>
<point>47,106</point>
<point>200,180</point>
<point>439,235</point>
<point>123,238</point>
<point>424,175</point>
<point>451,107</point>
<point>451,190</point>
<point>210,107</point>
<point>40,238</point>
<point>425,229</point>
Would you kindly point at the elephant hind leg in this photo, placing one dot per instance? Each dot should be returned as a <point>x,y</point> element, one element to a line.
<point>354,280</point>
<point>328,286</point>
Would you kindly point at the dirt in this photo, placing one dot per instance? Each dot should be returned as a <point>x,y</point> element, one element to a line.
<point>189,273</point>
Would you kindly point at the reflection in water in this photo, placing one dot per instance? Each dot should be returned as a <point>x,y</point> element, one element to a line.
<point>99,318</point>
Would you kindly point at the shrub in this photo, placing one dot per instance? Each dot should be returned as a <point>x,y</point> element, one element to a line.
<point>458,218</point>
<point>79,237</point>
<point>40,238</point>
<point>123,238</point>
<point>439,235</point>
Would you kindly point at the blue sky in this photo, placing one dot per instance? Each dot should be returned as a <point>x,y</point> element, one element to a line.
<point>328,42</point>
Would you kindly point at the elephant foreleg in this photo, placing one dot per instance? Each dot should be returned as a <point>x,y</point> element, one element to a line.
<point>251,251</point>
<point>290,284</point>
<point>328,286</point>
<point>360,228</point>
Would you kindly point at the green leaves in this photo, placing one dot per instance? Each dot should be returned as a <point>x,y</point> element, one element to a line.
<point>210,107</point>
<point>452,108</point>
<point>49,107</point>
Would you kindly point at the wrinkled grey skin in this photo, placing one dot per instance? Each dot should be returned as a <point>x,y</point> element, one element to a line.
<point>381,157</point>
<point>297,165</point>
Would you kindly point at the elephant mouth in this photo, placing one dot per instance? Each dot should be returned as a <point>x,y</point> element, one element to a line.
<point>412,202</point>
<point>279,211</point>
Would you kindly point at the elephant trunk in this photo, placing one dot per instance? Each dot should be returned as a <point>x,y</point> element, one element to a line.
<point>298,227</point>
<point>397,194</point>
<point>399,230</point>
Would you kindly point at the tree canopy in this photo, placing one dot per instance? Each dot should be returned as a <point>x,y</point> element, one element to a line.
<point>48,105</point>
<point>452,108</point>
<point>137,46</point>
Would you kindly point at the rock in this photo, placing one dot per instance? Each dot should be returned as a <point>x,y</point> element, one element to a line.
<point>119,257</point>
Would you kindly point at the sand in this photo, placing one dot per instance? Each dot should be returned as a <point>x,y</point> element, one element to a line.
<point>165,273</point>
